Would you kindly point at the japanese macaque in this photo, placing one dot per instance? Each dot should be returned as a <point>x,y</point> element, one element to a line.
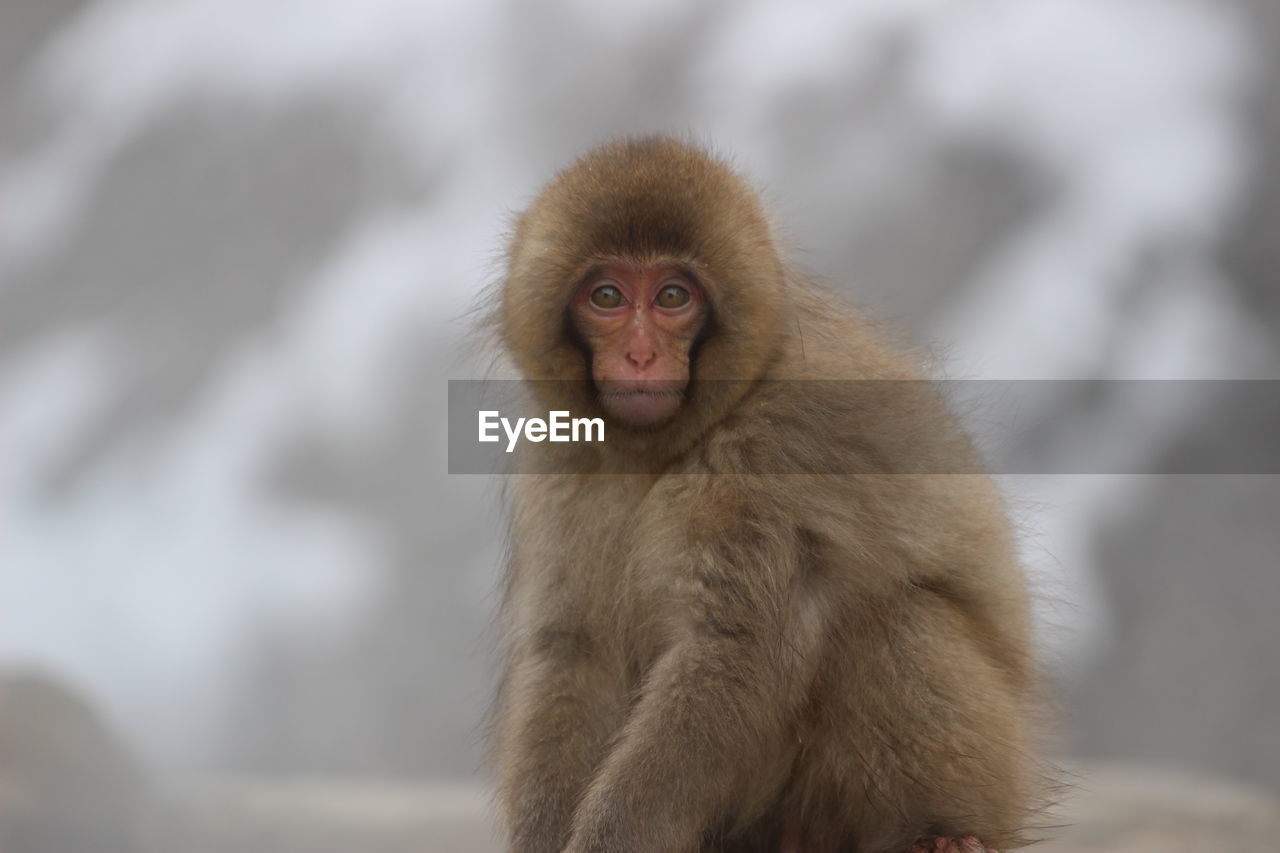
<point>778,608</point>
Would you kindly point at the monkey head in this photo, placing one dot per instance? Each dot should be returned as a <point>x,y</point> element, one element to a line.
<point>638,275</point>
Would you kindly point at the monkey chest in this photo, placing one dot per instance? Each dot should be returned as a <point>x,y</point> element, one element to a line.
<point>608,561</point>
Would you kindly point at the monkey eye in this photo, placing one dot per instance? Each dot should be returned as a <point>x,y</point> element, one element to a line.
<point>606,296</point>
<point>672,296</point>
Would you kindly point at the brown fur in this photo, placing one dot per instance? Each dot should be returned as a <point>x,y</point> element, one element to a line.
<point>733,650</point>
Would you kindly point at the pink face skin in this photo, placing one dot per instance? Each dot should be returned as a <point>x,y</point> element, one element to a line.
<point>640,323</point>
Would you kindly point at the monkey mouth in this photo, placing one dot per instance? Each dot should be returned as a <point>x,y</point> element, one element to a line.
<point>642,405</point>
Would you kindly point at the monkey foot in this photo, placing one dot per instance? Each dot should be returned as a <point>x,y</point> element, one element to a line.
<point>951,844</point>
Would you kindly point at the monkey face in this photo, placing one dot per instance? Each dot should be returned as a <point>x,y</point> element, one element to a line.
<point>638,323</point>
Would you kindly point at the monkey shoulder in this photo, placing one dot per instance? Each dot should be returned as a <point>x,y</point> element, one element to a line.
<point>806,425</point>
<point>848,464</point>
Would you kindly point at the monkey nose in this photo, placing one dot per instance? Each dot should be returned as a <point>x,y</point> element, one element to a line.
<point>641,358</point>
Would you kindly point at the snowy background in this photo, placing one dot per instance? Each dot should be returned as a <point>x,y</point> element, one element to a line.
<point>238,240</point>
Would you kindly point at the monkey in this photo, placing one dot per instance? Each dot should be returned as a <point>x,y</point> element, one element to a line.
<point>779,608</point>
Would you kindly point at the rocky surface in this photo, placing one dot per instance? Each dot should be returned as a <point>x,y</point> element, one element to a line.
<point>315,816</point>
<point>68,785</point>
<point>1118,809</point>
<point>1110,809</point>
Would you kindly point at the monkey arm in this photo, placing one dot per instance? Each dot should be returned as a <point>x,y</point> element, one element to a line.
<point>715,715</point>
<point>561,703</point>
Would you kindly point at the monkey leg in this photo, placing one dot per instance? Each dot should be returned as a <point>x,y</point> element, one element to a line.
<point>951,844</point>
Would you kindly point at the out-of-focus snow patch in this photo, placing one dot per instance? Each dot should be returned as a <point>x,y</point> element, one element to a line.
<point>764,54</point>
<point>628,22</point>
<point>146,583</point>
<point>46,394</point>
<point>159,567</point>
<point>122,63</point>
<point>1143,143</point>
<point>132,54</point>
<point>1193,327</point>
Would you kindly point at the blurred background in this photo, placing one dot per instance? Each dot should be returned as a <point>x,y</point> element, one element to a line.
<point>238,244</point>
